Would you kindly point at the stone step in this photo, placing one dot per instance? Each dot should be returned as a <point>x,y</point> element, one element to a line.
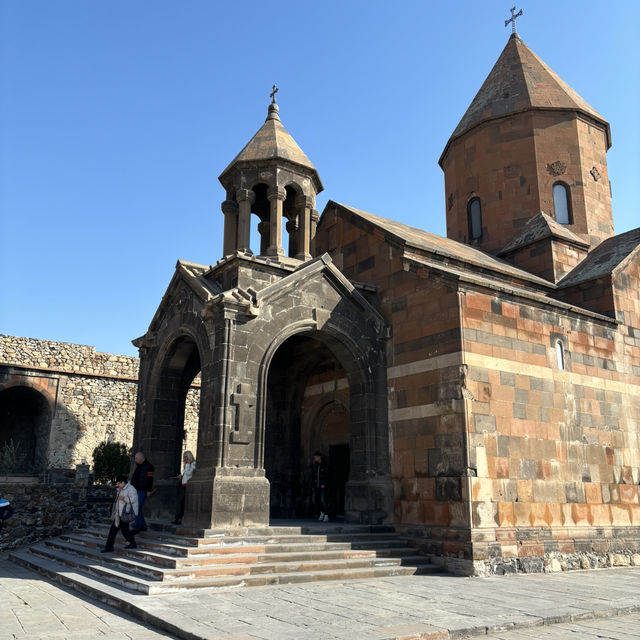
<point>360,538</point>
<point>313,528</point>
<point>70,564</point>
<point>170,559</point>
<point>208,543</point>
<point>134,561</point>
<point>95,538</point>
<point>125,559</point>
<point>293,577</point>
<point>98,568</point>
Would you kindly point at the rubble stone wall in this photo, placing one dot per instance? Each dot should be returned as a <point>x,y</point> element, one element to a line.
<point>91,395</point>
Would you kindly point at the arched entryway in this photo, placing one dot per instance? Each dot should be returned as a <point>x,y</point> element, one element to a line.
<point>320,396</point>
<point>305,379</point>
<point>326,421</point>
<point>173,423</point>
<point>25,424</point>
<point>263,352</point>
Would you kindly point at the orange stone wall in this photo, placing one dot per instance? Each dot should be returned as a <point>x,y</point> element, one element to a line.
<point>512,163</point>
<point>500,460</point>
<point>581,146</point>
<point>548,258</point>
<point>556,451</point>
<point>595,295</point>
<point>496,162</point>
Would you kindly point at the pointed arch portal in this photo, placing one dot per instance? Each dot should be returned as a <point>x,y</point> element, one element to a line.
<point>292,359</point>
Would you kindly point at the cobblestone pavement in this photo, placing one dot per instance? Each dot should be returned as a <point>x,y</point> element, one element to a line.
<point>576,605</point>
<point>32,608</point>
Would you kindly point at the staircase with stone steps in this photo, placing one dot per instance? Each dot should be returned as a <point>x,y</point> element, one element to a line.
<point>169,558</point>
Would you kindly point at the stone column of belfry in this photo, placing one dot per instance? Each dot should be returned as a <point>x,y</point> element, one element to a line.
<point>276,197</point>
<point>305,206</point>
<point>314,216</point>
<point>230,211</point>
<point>292,229</point>
<point>263,230</point>
<point>245,198</point>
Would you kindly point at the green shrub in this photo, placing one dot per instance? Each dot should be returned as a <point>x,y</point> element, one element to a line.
<point>110,459</point>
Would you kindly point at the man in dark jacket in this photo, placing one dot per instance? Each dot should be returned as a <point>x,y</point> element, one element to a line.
<point>142,481</point>
<point>319,487</point>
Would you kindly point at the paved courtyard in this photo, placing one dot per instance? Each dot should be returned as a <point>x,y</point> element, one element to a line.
<point>576,605</point>
<point>33,608</point>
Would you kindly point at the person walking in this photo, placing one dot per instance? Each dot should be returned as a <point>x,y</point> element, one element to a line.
<point>142,481</point>
<point>187,471</point>
<point>319,487</point>
<point>126,501</point>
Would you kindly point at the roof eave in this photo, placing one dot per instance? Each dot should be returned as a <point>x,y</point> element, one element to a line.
<point>576,110</point>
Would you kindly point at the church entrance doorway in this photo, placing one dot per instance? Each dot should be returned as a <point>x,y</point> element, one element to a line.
<point>25,420</point>
<point>307,412</point>
<point>174,423</point>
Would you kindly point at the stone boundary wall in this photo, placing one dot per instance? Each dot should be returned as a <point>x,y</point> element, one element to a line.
<point>66,357</point>
<point>91,395</point>
<point>43,511</point>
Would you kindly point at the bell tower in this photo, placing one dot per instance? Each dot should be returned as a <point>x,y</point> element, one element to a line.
<point>527,144</point>
<point>273,180</point>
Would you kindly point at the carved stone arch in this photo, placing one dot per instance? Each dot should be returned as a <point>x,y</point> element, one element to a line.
<point>296,328</point>
<point>180,352</point>
<point>320,411</point>
<point>294,185</point>
<point>369,488</point>
<point>26,414</point>
<point>261,208</point>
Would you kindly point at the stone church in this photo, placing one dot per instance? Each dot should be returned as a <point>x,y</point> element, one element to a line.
<point>480,392</point>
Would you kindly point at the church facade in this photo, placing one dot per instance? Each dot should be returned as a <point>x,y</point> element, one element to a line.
<point>480,392</point>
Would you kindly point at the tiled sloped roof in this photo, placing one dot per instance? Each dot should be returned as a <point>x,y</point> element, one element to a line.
<point>444,248</point>
<point>539,227</point>
<point>272,141</point>
<point>604,258</point>
<point>520,81</point>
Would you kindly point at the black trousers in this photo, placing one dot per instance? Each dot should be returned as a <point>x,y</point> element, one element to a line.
<point>124,527</point>
<point>181,494</point>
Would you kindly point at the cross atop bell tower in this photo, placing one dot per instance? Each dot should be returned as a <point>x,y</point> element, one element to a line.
<point>273,180</point>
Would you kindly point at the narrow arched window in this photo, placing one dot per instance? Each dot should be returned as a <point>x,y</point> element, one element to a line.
<point>561,203</point>
<point>560,355</point>
<point>474,214</point>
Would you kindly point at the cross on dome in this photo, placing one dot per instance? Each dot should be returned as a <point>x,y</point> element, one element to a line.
<point>512,19</point>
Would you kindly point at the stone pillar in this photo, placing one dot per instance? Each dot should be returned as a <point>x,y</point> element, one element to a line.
<point>263,230</point>
<point>230,210</point>
<point>292,230</point>
<point>276,198</point>
<point>313,217</point>
<point>305,206</point>
<point>245,198</point>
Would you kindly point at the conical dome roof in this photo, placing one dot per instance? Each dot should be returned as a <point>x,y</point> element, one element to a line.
<point>272,142</point>
<point>520,81</point>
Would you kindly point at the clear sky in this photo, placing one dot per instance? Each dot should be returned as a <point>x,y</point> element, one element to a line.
<point>116,117</point>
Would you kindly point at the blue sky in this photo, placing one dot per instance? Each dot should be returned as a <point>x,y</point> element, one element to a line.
<point>116,118</point>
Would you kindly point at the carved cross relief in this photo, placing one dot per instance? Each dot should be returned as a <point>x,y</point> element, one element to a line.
<point>245,405</point>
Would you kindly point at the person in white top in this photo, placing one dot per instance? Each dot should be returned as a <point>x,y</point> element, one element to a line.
<point>127,497</point>
<point>187,471</point>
